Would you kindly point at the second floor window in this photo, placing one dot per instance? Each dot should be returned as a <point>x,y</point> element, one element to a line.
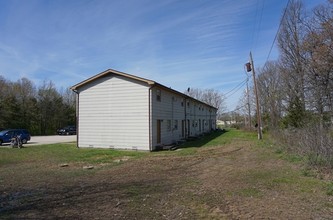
<point>158,95</point>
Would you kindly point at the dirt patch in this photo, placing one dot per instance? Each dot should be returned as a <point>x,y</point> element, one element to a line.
<point>234,181</point>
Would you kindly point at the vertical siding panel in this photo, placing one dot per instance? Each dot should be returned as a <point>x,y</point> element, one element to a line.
<point>114,114</point>
<point>169,108</point>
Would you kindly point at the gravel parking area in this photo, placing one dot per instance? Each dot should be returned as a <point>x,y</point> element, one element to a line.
<point>52,139</point>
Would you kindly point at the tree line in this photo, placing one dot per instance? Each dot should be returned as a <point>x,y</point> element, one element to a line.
<point>296,90</point>
<point>41,110</point>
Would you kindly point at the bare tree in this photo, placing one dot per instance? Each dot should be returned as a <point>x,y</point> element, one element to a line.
<point>68,108</point>
<point>271,95</point>
<point>49,106</point>
<point>4,92</point>
<point>318,46</point>
<point>246,105</point>
<point>195,93</point>
<point>298,89</point>
<point>290,40</point>
<point>25,92</point>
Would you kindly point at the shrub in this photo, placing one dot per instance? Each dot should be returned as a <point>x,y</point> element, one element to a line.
<point>314,142</point>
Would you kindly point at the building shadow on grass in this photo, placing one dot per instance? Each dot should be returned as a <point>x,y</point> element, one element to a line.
<point>202,140</point>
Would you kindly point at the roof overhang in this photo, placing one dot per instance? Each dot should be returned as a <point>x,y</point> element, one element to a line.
<point>110,72</point>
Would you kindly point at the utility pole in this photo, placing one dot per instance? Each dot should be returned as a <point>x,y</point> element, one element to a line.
<point>250,67</point>
<point>248,102</point>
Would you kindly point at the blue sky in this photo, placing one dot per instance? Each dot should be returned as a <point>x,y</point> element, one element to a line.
<point>178,43</point>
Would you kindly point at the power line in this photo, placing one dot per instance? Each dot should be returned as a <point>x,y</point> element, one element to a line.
<point>239,107</point>
<point>236,87</point>
<point>278,30</point>
<point>243,83</point>
<point>257,28</point>
<point>236,109</point>
<point>254,26</point>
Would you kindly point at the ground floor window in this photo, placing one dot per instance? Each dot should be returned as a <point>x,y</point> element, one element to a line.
<point>169,125</point>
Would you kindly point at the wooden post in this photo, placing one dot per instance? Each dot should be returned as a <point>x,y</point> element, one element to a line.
<point>248,103</point>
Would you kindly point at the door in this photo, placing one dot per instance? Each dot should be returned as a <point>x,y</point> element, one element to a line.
<point>158,131</point>
<point>183,128</point>
<point>200,125</point>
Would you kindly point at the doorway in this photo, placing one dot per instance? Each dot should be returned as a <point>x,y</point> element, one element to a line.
<point>183,128</point>
<point>159,131</point>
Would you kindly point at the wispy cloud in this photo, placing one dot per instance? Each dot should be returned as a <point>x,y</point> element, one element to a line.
<point>178,43</point>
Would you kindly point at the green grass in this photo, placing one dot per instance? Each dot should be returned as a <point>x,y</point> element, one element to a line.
<point>214,139</point>
<point>219,138</point>
<point>68,152</point>
<point>270,170</point>
<point>249,192</point>
<point>329,188</point>
<point>63,153</point>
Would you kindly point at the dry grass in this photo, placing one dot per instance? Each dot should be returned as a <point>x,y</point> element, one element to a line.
<point>224,176</point>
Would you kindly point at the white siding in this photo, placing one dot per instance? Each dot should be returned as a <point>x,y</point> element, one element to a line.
<point>114,113</point>
<point>200,118</point>
<point>169,109</point>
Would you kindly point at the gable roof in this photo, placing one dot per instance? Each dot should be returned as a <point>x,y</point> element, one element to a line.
<point>109,72</point>
<point>140,79</point>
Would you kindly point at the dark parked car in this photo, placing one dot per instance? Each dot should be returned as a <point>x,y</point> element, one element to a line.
<point>68,130</point>
<point>7,135</point>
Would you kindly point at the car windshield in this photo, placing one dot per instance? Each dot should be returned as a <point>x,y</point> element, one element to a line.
<point>3,132</point>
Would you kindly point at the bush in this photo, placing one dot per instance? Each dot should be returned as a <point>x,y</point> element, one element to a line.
<point>314,142</point>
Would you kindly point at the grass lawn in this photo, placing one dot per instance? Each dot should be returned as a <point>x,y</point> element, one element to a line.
<point>224,175</point>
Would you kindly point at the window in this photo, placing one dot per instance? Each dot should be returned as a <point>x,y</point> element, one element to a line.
<point>158,95</point>
<point>175,125</point>
<point>169,125</point>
